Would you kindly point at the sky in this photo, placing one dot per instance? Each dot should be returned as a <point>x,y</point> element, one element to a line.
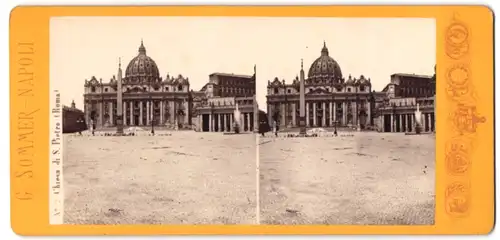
<point>82,47</point>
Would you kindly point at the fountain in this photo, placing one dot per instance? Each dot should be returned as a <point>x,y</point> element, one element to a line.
<point>237,119</point>
<point>418,120</point>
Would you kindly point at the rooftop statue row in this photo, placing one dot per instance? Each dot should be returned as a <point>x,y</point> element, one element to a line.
<point>220,103</point>
<point>326,80</point>
<point>169,80</point>
<point>407,103</point>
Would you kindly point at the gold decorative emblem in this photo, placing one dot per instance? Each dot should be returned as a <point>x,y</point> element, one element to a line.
<point>457,157</point>
<point>457,199</point>
<point>466,119</point>
<point>458,81</point>
<point>457,36</point>
<point>456,52</point>
<point>458,76</point>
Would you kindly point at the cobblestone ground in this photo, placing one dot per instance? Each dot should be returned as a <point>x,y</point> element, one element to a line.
<point>371,178</point>
<point>185,178</point>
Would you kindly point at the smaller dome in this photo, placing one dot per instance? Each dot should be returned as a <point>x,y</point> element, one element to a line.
<point>363,81</point>
<point>350,80</point>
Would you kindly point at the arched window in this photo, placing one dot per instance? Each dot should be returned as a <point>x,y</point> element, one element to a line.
<point>92,89</point>
<point>179,88</point>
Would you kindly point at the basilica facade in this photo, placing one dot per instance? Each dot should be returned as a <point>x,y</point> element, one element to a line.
<point>149,99</point>
<point>335,100</point>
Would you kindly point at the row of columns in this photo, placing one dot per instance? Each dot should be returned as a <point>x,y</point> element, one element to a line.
<point>332,106</point>
<point>224,122</point>
<point>406,122</point>
<point>144,111</point>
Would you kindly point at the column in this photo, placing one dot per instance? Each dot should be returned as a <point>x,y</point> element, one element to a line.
<point>231,122</point>
<point>330,106</point>
<point>423,121</point>
<point>307,114</point>
<point>132,122</point>
<point>344,113</point>
<point>427,123</point>
<point>392,122</point>
<point>148,112</point>
<point>401,122</point>
<point>381,127</point>
<point>334,113</point>
<point>283,114</point>
<point>244,120</point>
<point>429,120</point>
<point>86,110</point>
<point>314,115</point>
<point>406,122</point>
<point>354,113</point>
<point>100,123</point>
<point>186,111</point>
<point>124,113</point>
<point>269,115</point>
<point>226,129</point>
<point>140,113</point>
<point>111,113</point>
<point>223,122</point>
<point>210,127</point>
<point>171,112</point>
<point>368,113</point>
<point>161,112</point>
<point>219,116</point>
<point>323,119</point>
<point>226,122</point>
<point>294,113</point>
<point>248,122</point>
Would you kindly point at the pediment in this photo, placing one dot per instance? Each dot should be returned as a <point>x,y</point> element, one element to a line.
<point>276,82</point>
<point>93,81</point>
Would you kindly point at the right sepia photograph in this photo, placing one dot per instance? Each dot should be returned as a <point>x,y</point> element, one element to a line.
<point>347,121</point>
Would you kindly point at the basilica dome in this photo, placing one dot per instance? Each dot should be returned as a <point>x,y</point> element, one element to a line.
<point>142,67</point>
<point>325,67</point>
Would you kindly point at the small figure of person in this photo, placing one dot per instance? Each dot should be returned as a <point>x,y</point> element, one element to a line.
<point>276,128</point>
<point>92,123</point>
<point>263,127</point>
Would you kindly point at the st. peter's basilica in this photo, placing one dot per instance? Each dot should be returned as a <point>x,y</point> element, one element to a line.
<point>333,100</point>
<point>149,99</point>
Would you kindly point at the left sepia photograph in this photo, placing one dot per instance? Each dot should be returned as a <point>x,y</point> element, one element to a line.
<point>158,117</point>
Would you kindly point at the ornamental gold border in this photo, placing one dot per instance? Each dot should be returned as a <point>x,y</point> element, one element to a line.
<point>464,123</point>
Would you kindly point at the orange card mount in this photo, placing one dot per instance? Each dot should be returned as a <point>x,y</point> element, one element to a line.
<point>251,120</point>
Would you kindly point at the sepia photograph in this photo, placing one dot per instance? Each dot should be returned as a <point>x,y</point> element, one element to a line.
<point>244,120</point>
<point>350,128</point>
<point>159,119</point>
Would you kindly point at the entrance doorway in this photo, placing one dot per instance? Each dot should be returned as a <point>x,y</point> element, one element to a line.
<point>205,123</point>
<point>362,119</point>
<point>136,120</point>
<point>387,123</point>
